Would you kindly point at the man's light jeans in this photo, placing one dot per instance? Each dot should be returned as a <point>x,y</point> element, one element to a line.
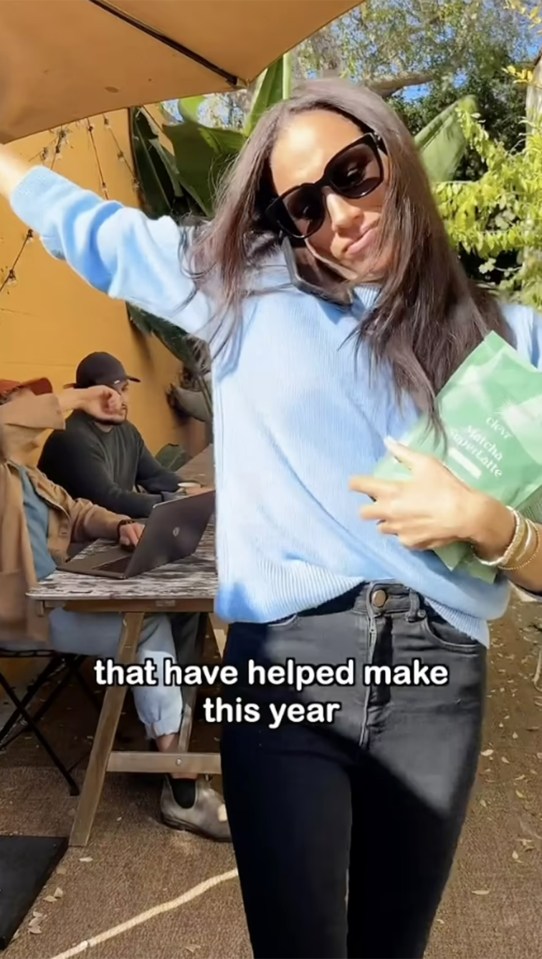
<point>97,634</point>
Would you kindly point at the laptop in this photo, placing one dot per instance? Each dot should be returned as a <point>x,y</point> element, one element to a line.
<point>172,532</point>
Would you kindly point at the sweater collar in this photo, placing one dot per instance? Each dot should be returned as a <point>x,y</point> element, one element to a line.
<point>367,293</point>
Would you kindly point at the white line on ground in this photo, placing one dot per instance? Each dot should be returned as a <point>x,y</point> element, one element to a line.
<point>193,893</point>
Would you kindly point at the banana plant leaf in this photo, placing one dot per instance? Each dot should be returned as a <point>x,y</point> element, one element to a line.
<point>442,144</point>
<point>172,337</point>
<point>189,107</point>
<point>192,353</point>
<point>172,457</point>
<point>202,154</point>
<point>273,85</point>
<point>191,403</point>
<point>155,168</point>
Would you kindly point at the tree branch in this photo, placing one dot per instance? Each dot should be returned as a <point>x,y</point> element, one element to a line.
<point>386,86</point>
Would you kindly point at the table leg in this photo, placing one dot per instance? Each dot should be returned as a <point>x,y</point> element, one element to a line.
<point>105,735</point>
<point>220,633</point>
<point>190,692</point>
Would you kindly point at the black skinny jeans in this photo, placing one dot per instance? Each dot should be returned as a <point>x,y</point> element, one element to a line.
<point>345,835</point>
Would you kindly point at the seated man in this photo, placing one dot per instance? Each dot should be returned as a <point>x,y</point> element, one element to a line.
<point>104,460</point>
<point>38,523</point>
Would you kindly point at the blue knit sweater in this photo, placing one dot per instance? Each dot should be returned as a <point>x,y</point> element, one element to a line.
<point>294,418</point>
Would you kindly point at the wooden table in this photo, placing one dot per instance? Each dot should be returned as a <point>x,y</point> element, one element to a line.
<point>187,586</point>
<point>200,469</point>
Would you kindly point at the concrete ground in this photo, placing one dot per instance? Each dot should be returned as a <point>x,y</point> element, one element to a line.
<point>141,891</point>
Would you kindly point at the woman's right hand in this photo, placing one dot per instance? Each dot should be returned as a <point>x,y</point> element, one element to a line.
<point>12,170</point>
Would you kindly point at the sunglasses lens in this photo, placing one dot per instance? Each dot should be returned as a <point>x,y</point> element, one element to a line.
<point>356,172</point>
<point>304,209</point>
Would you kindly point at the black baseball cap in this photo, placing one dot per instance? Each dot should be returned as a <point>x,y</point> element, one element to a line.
<point>101,369</point>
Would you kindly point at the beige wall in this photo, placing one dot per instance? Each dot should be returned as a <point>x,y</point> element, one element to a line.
<point>50,319</point>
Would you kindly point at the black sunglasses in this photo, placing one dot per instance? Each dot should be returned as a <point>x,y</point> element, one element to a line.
<point>354,172</point>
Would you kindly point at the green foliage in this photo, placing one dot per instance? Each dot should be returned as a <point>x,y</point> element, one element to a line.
<point>274,85</point>
<point>501,103</point>
<point>172,336</point>
<point>202,154</point>
<point>442,142</point>
<point>191,352</point>
<point>186,182</point>
<point>155,168</point>
<point>172,457</point>
<point>190,107</point>
<point>440,50</point>
<point>160,189</point>
<point>496,221</point>
<point>393,44</point>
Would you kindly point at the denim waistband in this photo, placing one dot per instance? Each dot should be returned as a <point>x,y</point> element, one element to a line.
<point>375,598</point>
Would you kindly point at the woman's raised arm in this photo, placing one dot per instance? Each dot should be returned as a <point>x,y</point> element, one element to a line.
<point>116,249</point>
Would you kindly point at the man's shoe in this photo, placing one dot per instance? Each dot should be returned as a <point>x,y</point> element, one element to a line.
<point>207,817</point>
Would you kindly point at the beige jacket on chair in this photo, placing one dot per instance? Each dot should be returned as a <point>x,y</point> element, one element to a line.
<point>21,423</point>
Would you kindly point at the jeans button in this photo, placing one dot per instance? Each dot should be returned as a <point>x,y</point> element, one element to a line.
<point>378,598</point>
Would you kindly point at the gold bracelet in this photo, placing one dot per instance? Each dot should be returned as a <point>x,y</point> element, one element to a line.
<point>523,547</point>
<point>512,548</point>
<point>534,529</point>
<point>527,551</point>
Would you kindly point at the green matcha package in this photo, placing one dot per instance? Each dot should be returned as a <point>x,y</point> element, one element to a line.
<point>491,410</point>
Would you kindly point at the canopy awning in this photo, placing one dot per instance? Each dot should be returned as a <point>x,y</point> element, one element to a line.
<point>63,60</point>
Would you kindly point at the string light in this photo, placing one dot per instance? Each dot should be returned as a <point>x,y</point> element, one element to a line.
<point>62,138</point>
<point>10,277</point>
<point>103,184</point>
<point>48,155</point>
<point>121,156</point>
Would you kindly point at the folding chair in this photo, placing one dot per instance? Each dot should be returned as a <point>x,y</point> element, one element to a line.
<point>64,668</point>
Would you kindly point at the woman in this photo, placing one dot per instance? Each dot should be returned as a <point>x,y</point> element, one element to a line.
<point>335,310</point>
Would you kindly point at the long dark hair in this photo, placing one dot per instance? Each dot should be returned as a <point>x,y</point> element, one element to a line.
<point>428,316</point>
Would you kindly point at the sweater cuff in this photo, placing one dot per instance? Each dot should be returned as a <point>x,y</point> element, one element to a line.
<point>41,412</point>
<point>58,421</point>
